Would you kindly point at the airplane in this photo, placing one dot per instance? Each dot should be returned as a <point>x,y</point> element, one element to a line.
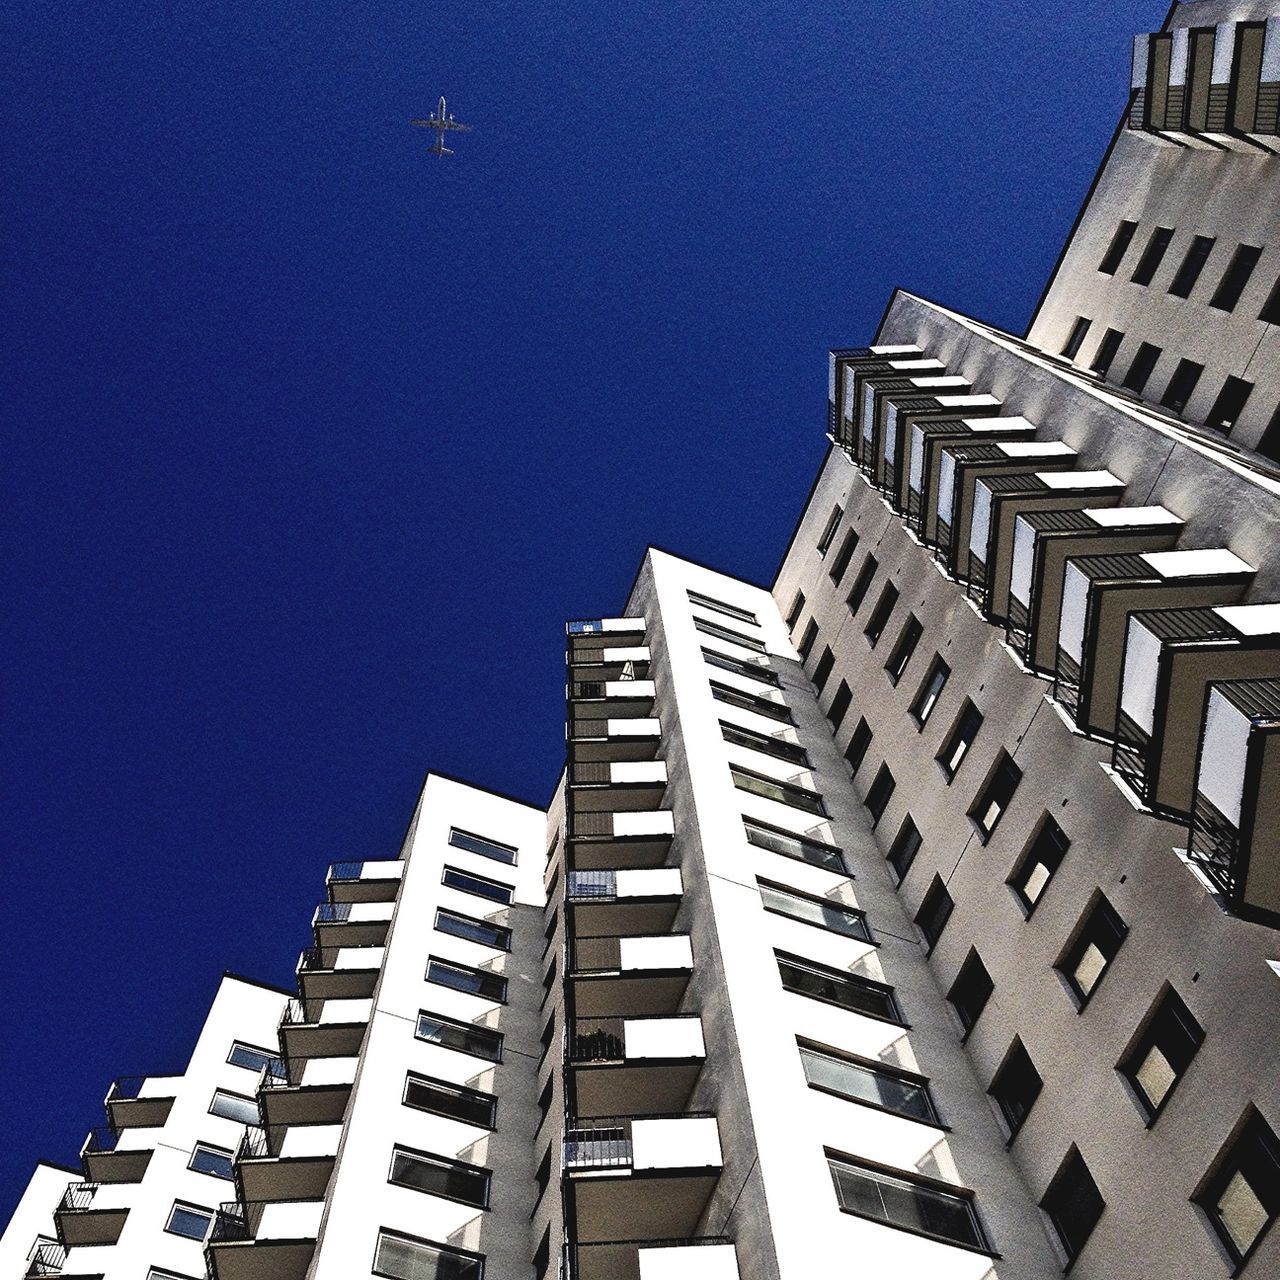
<point>440,122</point>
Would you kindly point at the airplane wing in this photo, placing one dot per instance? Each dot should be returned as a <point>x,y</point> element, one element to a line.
<point>426,124</point>
<point>453,124</point>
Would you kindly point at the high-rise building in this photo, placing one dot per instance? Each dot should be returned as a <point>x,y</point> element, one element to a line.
<point>915,916</point>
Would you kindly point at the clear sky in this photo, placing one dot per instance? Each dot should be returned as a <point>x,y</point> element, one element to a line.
<point>314,440</point>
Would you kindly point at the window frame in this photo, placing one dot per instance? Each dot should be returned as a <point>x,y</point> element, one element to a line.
<point>859,744</point>
<point>509,889</point>
<point>1099,913</point>
<point>828,534</point>
<point>220,1092</point>
<point>485,977</point>
<point>448,1086</point>
<point>856,916</point>
<point>468,1029</point>
<point>972,969</point>
<point>839,565</point>
<point>1015,1058</point>
<point>872,1067</point>
<point>1192,266</point>
<point>745,700</point>
<point>1004,768</point>
<point>1105,353</point>
<point>1118,246</point>
<point>862,584</point>
<point>1235,279</point>
<point>1139,371</point>
<point>1080,327</point>
<point>1048,833</point>
<point>502,943</point>
<point>766,744</point>
<point>796,797</point>
<point>917,711</point>
<point>196,1211</point>
<point>1152,256</point>
<point>1222,402</point>
<point>1070,1161</point>
<point>1169,1009</point>
<point>483,846</point>
<point>881,614</point>
<point>874,804</point>
<point>937,889</point>
<point>835,862</point>
<point>704,601</point>
<point>905,844</point>
<point>444,1250</point>
<point>904,649</point>
<point>741,667</point>
<point>727,635</point>
<point>212,1148</point>
<point>399,1152</point>
<point>838,977</point>
<point>267,1055</point>
<point>1227,1165</point>
<point>840,705</point>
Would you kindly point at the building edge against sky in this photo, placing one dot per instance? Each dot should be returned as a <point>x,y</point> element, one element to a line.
<point>921,908</point>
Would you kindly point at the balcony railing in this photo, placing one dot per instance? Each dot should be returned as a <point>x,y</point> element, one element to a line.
<point>231,1222</point>
<point>48,1260</point>
<point>126,1088</point>
<point>333,912</point>
<point>599,1143</point>
<point>295,1013</point>
<point>596,1040</point>
<point>592,884</point>
<point>103,1138</point>
<point>596,954</point>
<point>78,1197</point>
<point>1214,846</point>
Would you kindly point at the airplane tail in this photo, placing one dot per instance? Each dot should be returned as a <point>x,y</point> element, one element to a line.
<point>440,149</point>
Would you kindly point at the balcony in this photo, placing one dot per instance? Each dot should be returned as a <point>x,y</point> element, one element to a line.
<point>86,1217</point>
<point>601,786</point>
<point>335,1031</point>
<point>607,642</point>
<point>631,838</point>
<point>48,1259</point>
<point>646,1066</point>
<point>606,661</point>
<point>365,881</point>
<point>642,900</point>
<point>902,414</point>
<point>842,365</point>
<point>286,1162</point>
<point>256,1241</point>
<point>641,1179</point>
<point>622,699</point>
<point>874,396</point>
<point>632,976</point>
<point>349,973</point>
<point>352,924</point>
<point>593,736</point>
<point>701,1258</point>
<point>286,1101</point>
<point>140,1102</point>
<point>111,1155</point>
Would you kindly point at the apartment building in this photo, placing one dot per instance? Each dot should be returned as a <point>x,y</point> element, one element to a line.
<point>917,913</point>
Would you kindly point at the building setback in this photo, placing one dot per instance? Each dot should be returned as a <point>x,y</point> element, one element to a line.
<point>914,917</point>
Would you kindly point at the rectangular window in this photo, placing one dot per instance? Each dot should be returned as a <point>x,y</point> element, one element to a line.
<point>790,845</point>
<point>960,739</point>
<point>848,544</point>
<point>481,931</point>
<point>1120,242</point>
<point>1188,273</point>
<point>987,810</point>
<point>1181,385</point>
<point>465,1037</point>
<point>860,1080</point>
<point>250,1057</point>
<point>862,584</point>
<point>808,640</point>
<point>903,1200</point>
<point>834,986</point>
<point>485,847</point>
<point>1230,403</point>
<point>809,909</point>
<point>839,707</point>
<point>856,751</point>
<point>903,850</point>
<point>1270,313</point>
<point>216,1161</point>
<point>829,530</point>
<point>1015,1087</point>
<point>462,977</point>
<point>189,1220</point>
<point>1162,1052</point>
<point>1269,445</point>
<point>1241,1197</point>
<point>234,1106</point>
<point>1075,338</point>
<point>797,608</point>
<point>1235,277</point>
<point>879,794</point>
<point>741,667</point>
<point>749,702</point>
<point>822,672</point>
<point>440,1098</point>
<point>1106,352</point>
<point>1090,954</point>
<point>935,911</point>
<point>400,1257</point>
<point>728,635</point>
<point>1074,1203</point>
<point>439,1176</point>
<point>881,614</point>
<point>1144,361</point>
<point>903,649</point>
<point>971,990</point>
<point>477,886</point>
<point>1152,255</point>
<point>783,792</point>
<point>542,1255</point>
<point>930,691</point>
<point>1043,856</point>
<point>779,748</point>
<point>719,606</point>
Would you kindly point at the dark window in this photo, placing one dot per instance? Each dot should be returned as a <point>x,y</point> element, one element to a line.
<point>880,793</point>
<point>250,1057</point>
<point>1091,952</point>
<point>839,707</point>
<point>1181,385</point>
<point>1073,1203</point>
<point>542,1254</point>
<point>860,1080</point>
<point>902,1200</point>
<point>732,697</point>
<point>719,606</point>
<point>189,1220</point>
<point>548,1033</point>
<point>987,810</point>
<point>1016,1086</point>
<point>1242,1195</point>
<point>822,671</point>
<point>809,909</point>
<point>1269,444</point>
<point>848,544</point>
<point>1235,277</point>
<point>543,1176</point>
<point>1076,337</point>
<point>485,847</point>
<point>741,667</point>
<point>960,739</point>
<point>544,1098</point>
<point>213,1160</point>
<point>856,751</point>
<point>758,784</point>
<point>1032,872</point>
<point>1270,313</point>
<point>971,990</point>
<point>797,608</point>
<point>862,584</point>
<point>848,990</point>
<point>1144,361</point>
<point>462,977</point>
<point>1162,1052</point>
<point>829,530</point>
<point>1188,273</point>
<point>790,845</point>
<point>935,911</point>
<point>1152,255</point>
<point>404,1258</point>
<point>481,931</point>
<point>880,614</point>
<point>452,1100</point>
<point>1106,352</point>
<point>903,850</point>
<point>1230,403</point>
<point>779,748</point>
<point>1110,263</point>
<point>930,691</point>
<point>728,635</point>
<point>480,1042</point>
<point>438,1176</point>
<point>808,640</point>
<point>903,649</point>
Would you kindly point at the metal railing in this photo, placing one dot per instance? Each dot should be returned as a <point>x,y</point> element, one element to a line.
<point>596,1040</point>
<point>591,824</point>
<point>1214,846</point>
<point>103,1138</point>
<point>1129,753</point>
<point>231,1222</point>
<point>591,773</point>
<point>345,870</point>
<point>78,1197</point>
<point>333,912</point>
<point>126,1088</point>
<point>266,1141</point>
<point>592,884</point>
<point>275,1075</point>
<point>602,1142</point>
<point>48,1260</point>
<point>295,1012</point>
<point>595,954</point>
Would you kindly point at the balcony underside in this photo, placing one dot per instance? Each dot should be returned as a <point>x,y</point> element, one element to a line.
<point>638,1088</point>
<point>116,1166</point>
<point>260,1259</point>
<point>377,889</point>
<point>351,933</point>
<point>615,798</point>
<point>322,1039</point>
<point>337,984</point>
<point>275,1178</point>
<point>623,916</point>
<point>86,1228</point>
<point>620,1260</point>
<point>305,1104</point>
<point>138,1113</point>
<point>592,853</point>
<point>655,1205</point>
<point>632,995</point>
<point>584,749</point>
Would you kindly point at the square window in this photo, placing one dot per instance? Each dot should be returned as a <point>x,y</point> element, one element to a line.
<point>1015,1087</point>
<point>189,1220</point>
<point>995,797</point>
<point>935,911</point>
<point>960,739</point>
<point>1091,952</point>
<point>1041,859</point>
<point>1241,1196</point>
<point>879,795</point>
<point>1162,1052</point>
<point>930,691</point>
<point>903,850</point>
<point>971,990</point>
<point>1074,1203</point>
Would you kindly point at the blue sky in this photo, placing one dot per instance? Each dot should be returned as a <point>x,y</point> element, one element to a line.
<point>315,440</point>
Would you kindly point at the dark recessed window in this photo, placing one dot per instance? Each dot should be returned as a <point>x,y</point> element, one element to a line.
<point>856,751</point>
<point>1144,361</point>
<point>480,1042</point>
<point>402,1257</point>
<point>189,1220</point>
<point>930,691</point>
<point>1016,1086</point>
<point>1181,385</point>
<point>903,850</point>
<point>439,1176</point>
<point>1076,337</point>
<point>482,845</point>
<point>904,647</point>
<point>1162,1052</point>
<point>452,1100</point>
<point>728,635</point>
<point>840,562</point>
<point>880,614</point>
<point>1034,869</point>
<point>839,707</point>
<point>779,748</point>
<point>808,640</point>
<point>791,845</point>
<point>481,931</point>
<point>250,1057</point>
<point>1090,954</point>
<point>935,911</point>
<point>829,530</point>
<point>1106,352</point>
<point>822,672</point>
<point>1188,273</point>
<point>797,608</point>
<point>859,1080</point>
<point>809,909</point>
<point>212,1160</point>
<point>1270,313</point>
<point>1235,277</point>
<point>1152,255</point>
<point>732,697</point>
<point>1241,1197</point>
<point>1269,444</point>
<point>987,810</point>
<point>477,886</point>
<point>1110,263</point>
<point>848,990</point>
<point>750,669</point>
<point>862,584</point>
<point>880,793</point>
<point>1074,1203</point>
<point>758,784</point>
<point>971,990</point>
<point>462,977</point>
<point>719,606</point>
<point>542,1255</point>
<point>1230,403</point>
<point>960,739</point>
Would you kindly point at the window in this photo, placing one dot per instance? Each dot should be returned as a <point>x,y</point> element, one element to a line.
<point>1073,1203</point>
<point>543,1176</point>
<point>1188,273</point>
<point>157,1273</point>
<point>1042,858</point>
<point>189,1220</point>
<point>856,751</point>
<point>1152,255</point>
<point>480,1042</point>
<point>404,1258</point>
<point>903,850</point>
<point>438,1176</point>
<point>1230,404</point>
<point>903,649</point>
<point>1144,361</point>
<point>994,798</point>
<point>452,1100</point>
<point>935,911</point>
<point>250,1057</point>
<point>808,640</point>
<point>212,1160</point>
<point>930,691</point>
<point>960,739</point>
<point>462,977</point>
<point>797,608</point>
<point>790,845</point>
<point>481,931</point>
<point>542,1254</point>
<point>1093,949</point>
<point>1270,313</point>
<point>779,748</point>
<point>879,794</point>
<point>848,544</point>
<point>1235,277</point>
<point>822,672</point>
<point>1269,444</point>
<point>1106,352</point>
<point>971,990</point>
<point>1076,337</point>
<point>880,614</point>
<point>234,1106</point>
<point>829,530</point>
<point>809,909</point>
<point>749,701</point>
<point>1181,385</point>
<point>1015,1087</point>
<point>741,667</point>
<point>477,886</point>
<point>839,707</point>
<point>862,584</point>
<point>783,792</point>
<point>719,606</point>
<point>1110,263</point>
<point>484,847</point>
<point>1162,1052</point>
<point>728,635</point>
<point>859,1080</point>
<point>544,1098</point>
<point>1241,1197</point>
<point>908,1201</point>
<point>834,986</point>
